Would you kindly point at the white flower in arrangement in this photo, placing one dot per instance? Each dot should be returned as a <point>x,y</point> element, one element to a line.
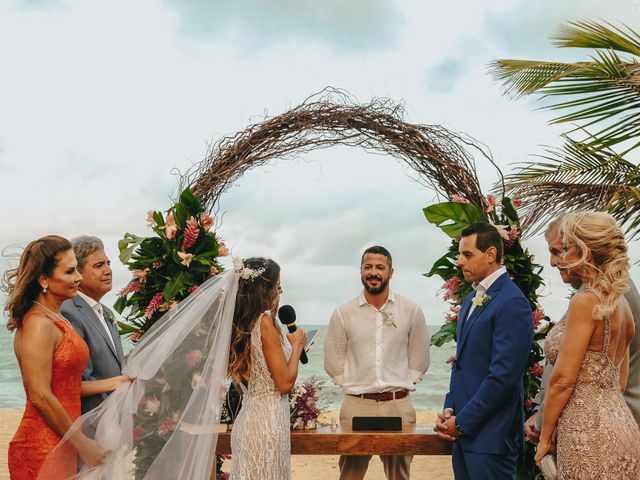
<point>245,272</point>
<point>388,319</point>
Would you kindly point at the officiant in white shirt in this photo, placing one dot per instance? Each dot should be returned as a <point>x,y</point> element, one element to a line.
<point>93,320</point>
<point>377,349</point>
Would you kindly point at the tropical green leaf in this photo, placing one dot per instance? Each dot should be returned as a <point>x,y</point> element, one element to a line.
<point>453,217</point>
<point>444,267</point>
<point>127,245</point>
<point>447,333</point>
<point>191,202</point>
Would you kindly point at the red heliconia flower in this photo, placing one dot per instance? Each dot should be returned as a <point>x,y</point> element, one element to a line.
<point>135,336</point>
<point>191,233</point>
<point>166,427</point>
<point>538,315</point>
<point>131,287</point>
<point>536,370</point>
<point>138,433</point>
<point>193,357</point>
<point>154,304</point>
<point>451,288</point>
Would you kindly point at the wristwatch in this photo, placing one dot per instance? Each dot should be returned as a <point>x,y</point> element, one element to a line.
<point>459,429</point>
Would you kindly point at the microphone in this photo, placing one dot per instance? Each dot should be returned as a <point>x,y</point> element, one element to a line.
<point>287,316</point>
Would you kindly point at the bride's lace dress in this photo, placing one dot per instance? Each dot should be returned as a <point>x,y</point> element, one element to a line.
<point>598,437</point>
<point>260,438</point>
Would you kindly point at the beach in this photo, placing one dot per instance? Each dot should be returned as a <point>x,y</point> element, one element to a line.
<point>304,467</point>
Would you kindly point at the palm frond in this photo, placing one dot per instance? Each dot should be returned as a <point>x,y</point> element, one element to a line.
<point>604,91</point>
<point>571,178</point>
<point>589,34</point>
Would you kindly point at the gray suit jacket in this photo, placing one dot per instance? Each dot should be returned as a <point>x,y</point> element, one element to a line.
<point>632,393</point>
<point>104,360</point>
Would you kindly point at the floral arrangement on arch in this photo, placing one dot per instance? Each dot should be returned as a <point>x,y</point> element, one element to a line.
<point>168,265</point>
<point>306,405</point>
<point>453,217</point>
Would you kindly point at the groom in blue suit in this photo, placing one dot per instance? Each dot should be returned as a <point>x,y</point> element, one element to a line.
<point>483,411</point>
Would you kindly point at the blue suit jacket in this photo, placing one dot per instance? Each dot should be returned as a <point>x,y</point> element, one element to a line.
<point>486,389</point>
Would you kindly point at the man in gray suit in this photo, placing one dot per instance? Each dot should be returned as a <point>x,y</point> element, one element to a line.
<point>632,392</point>
<point>94,321</point>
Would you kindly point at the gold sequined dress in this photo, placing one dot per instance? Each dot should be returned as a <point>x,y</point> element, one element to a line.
<point>597,436</point>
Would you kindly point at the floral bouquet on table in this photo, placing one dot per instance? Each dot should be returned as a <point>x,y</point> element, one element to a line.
<point>167,267</point>
<point>306,405</point>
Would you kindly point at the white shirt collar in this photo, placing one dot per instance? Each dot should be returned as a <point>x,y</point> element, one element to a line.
<point>486,283</point>
<point>362,300</point>
<point>92,303</point>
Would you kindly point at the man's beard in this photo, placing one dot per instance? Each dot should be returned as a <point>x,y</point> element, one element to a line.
<point>375,291</point>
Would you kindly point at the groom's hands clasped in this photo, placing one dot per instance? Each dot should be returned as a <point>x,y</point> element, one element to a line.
<point>446,425</point>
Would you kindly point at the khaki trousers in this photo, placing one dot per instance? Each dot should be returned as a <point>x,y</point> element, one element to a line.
<point>396,467</point>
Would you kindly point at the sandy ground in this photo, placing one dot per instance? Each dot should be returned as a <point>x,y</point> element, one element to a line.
<point>304,467</point>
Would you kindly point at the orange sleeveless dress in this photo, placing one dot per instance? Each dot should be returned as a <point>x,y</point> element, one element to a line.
<point>34,439</point>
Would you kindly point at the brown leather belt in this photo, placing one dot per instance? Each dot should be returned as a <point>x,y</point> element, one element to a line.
<point>384,396</point>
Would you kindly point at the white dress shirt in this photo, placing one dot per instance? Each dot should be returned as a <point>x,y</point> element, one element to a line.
<point>97,307</point>
<point>365,353</point>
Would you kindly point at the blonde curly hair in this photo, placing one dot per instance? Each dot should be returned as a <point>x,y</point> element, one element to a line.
<point>604,261</point>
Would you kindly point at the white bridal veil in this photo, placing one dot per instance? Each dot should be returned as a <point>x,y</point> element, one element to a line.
<point>164,424</point>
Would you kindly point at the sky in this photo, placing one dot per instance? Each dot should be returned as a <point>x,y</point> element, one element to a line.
<point>102,102</point>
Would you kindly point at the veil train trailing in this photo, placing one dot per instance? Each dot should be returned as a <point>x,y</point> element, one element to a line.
<point>164,424</point>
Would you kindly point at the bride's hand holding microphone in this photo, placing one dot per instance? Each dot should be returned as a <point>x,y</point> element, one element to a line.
<point>297,339</point>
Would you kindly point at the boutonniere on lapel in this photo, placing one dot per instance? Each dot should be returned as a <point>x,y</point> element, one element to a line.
<point>480,300</point>
<point>110,318</point>
<point>388,319</point>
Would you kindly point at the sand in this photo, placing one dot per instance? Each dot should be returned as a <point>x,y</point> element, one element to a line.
<point>304,467</point>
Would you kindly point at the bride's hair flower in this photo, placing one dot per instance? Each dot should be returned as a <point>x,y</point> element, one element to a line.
<point>247,273</point>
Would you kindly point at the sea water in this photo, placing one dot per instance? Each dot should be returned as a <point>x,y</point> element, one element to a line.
<point>429,394</point>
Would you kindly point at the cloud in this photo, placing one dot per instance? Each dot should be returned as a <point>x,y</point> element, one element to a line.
<point>442,77</point>
<point>353,26</point>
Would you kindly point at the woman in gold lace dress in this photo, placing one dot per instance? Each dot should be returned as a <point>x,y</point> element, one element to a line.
<point>597,436</point>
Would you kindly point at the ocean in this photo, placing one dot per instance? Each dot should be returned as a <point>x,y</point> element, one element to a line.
<point>429,394</point>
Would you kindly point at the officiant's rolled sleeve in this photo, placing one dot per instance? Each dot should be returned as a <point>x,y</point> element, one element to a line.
<point>418,346</point>
<point>335,347</point>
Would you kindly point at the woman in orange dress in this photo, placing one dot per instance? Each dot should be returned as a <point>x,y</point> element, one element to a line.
<point>52,357</point>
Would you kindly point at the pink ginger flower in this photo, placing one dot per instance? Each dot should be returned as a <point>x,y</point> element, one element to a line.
<point>170,228</point>
<point>191,233</point>
<point>512,236</point>
<point>157,265</point>
<point>452,359</point>
<point>135,336</point>
<point>492,203</point>
<point>450,288</point>
<point>536,370</point>
<point>154,304</point>
<point>516,202</point>
<point>206,221</point>
<point>193,357</point>
<point>213,271</point>
<point>166,427</point>
<point>223,251</point>
<point>538,315</point>
<point>459,199</point>
<point>132,287</point>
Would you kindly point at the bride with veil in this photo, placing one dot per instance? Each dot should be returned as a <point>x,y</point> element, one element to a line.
<point>164,424</point>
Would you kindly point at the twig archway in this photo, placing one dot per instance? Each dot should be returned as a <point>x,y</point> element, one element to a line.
<point>438,156</point>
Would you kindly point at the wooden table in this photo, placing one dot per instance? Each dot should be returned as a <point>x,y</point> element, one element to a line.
<point>412,440</point>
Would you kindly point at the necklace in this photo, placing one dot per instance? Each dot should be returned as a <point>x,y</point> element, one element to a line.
<point>53,313</point>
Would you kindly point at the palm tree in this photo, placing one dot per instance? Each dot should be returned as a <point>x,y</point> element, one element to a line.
<point>602,94</point>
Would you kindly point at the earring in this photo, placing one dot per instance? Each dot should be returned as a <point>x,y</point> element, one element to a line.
<point>44,289</point>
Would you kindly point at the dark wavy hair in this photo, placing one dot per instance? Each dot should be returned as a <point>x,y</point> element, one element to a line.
<point>40,257</point>
<point>255,295</point>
